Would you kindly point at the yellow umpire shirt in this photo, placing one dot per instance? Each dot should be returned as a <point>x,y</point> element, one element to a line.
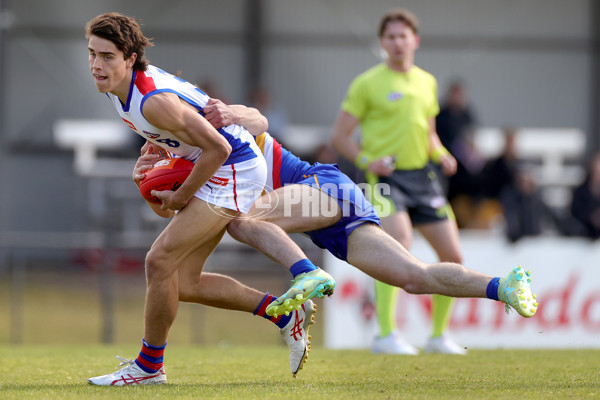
<point>394,110</point>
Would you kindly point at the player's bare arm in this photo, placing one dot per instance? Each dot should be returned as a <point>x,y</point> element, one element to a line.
<point>167,111</point>
<point>220,114</point>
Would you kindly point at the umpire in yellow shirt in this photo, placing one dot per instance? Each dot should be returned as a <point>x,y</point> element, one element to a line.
<point>395,104</point>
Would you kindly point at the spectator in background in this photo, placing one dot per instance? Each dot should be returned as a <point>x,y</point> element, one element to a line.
<point>480,206</point>
<point>500,172</point>
<point>525,212</point>
<point>455,126</point>
<point>585,206</point>
<point>455,119</point>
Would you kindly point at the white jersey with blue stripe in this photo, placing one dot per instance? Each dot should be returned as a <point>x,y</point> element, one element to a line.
<point>154,80</point>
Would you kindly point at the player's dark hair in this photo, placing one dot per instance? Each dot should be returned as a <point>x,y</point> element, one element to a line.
<point>124,32</point>
<point>402,15</point>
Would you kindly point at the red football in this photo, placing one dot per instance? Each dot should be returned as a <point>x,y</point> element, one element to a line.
<point>167,174</point>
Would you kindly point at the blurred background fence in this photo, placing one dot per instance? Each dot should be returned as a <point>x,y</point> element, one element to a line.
<point>73,237</point>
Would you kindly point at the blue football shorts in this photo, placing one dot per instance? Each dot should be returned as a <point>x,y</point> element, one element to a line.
<point>356,209</point>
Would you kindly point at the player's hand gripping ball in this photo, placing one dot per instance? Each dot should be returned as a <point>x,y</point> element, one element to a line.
<point>167,174</point>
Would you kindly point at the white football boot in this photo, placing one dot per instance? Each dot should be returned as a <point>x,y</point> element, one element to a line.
<point>296,336</point>
<point>444,345</point>
<point>130,374</point>
<point>393,344</point>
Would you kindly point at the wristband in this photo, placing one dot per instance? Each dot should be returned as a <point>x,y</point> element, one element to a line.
<point>437,153</point>
<point>363,160</point>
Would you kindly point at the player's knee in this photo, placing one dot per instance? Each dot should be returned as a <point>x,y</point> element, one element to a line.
<point>235,228</point>
<point>241,228</point>
<point>157,265</point>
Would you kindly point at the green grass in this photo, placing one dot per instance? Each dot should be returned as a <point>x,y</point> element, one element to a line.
<point>60,372</point>
<point>213,354</point>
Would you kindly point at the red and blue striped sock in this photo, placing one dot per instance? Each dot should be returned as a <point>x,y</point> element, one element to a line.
<point>302,266</point>
<point>280,321</point>
<point>151,358</point>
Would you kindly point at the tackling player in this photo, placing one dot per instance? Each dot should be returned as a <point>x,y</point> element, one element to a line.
<point>351,232</point>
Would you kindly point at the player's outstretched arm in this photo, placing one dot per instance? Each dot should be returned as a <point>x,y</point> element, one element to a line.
<point>220,114</point>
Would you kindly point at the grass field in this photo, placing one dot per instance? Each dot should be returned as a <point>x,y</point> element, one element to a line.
<point>60,372</point>
<point>213,354</point>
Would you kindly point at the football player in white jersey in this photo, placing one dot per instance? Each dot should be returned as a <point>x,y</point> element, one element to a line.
<point>168,112</point>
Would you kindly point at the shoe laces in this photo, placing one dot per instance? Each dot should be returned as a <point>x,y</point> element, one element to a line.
<point>124,361</point>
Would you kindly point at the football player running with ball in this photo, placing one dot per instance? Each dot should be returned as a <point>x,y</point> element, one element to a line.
<point>168,112</point>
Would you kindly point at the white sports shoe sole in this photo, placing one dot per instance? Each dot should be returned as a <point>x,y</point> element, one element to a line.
<point>131,374</point>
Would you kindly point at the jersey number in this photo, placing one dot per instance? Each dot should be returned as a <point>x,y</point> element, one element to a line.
<point>169,142</point>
